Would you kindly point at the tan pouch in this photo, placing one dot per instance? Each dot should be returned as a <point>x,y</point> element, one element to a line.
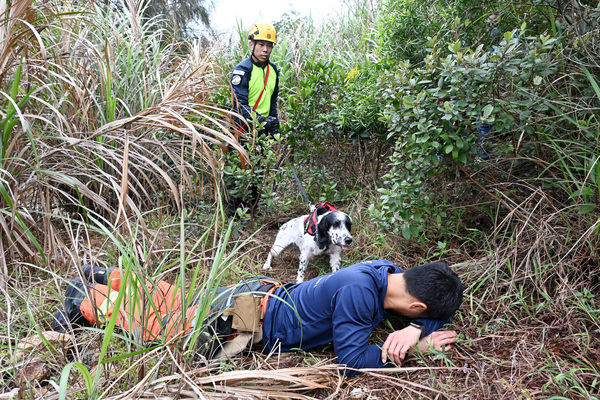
<point>246,313</point>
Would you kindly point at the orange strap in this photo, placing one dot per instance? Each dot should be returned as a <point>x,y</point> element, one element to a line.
<point>265,300</point>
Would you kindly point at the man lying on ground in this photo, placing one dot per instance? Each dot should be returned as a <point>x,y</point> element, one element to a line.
<point>341,308</point>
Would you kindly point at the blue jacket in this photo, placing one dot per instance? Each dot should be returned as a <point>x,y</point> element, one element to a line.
<point>247,89</point>
<point>349,302</point>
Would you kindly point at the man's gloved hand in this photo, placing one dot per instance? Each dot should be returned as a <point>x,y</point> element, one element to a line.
<point>272,126</point>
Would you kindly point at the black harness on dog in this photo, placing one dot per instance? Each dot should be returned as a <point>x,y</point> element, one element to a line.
<point>310,222</point>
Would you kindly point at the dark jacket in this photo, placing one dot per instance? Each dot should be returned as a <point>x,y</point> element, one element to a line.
<point>349,302</point>
<point>247,89</point>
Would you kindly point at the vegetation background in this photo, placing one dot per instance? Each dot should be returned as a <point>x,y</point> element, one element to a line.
<point>443,136</point>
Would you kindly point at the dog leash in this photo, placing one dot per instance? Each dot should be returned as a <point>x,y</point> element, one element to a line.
<point>302,192</point>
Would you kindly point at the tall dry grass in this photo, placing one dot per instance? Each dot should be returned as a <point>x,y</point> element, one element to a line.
<point>100,112</point>
<point>97,104</point>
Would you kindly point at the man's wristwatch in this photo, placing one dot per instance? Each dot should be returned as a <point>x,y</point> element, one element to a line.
<point>418,324</point>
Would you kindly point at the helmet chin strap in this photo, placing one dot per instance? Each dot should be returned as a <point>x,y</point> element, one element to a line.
<point>255,59</point>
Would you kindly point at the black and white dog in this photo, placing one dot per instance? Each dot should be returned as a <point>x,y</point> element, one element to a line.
<point>325,231</point>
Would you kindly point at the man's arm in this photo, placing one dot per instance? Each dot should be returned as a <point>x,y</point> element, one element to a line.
<point>240,79</point>
<point>432,325</point>
<point>398,343</point>
<point>353,321</point>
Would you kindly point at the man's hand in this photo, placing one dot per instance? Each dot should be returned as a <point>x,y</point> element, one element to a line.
<point>439,340</point>
<point>399,342</point>
<point>272,126</point>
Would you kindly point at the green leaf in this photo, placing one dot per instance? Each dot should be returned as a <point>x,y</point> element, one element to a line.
<point>64,379</point>
<point>408,101</point>
<point>584,191</point>
<point>414,230</point>
<point>487,110</point>
<point>456,46</point>
<point>593,82</point>
<point>586,208</point>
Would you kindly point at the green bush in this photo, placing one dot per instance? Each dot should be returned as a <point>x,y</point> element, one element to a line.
<point>312,110</point>
<point>405,25</point>
<point>434,112</point>
<point>360,103</point>
<point>256,174</point>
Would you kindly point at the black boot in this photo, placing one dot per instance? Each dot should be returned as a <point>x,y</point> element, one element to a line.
<point>70,315</point>
<point>95,274</point>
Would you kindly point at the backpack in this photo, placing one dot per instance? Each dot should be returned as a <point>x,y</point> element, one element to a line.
<point>235,319</point>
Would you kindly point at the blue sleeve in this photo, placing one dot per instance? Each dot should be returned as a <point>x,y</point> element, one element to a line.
<point>241,93</point>
<point>432,325</point>
<point>353,320</point>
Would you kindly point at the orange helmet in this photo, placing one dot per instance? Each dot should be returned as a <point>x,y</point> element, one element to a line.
<point>263,31</point>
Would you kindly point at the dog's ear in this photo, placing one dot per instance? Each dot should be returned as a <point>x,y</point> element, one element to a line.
<point>321,210</point>
<point>348,223</point>
<point>322,237</point>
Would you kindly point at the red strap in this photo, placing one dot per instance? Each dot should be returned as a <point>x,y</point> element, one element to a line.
<point>327,205</point>
<point>310,222</point>
<point>263,90</point>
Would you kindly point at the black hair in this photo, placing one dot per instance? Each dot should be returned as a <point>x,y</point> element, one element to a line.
<point>436,285</point>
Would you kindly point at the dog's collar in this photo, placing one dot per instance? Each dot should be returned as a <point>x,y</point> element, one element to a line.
<point>310,222</point>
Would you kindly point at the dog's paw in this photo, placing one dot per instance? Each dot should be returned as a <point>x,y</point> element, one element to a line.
<point>266,266</point>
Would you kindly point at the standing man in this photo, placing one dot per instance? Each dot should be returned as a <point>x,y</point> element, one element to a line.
<point>255,83</point>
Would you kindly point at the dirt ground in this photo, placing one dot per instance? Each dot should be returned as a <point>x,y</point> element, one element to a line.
<point>499,356</point>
